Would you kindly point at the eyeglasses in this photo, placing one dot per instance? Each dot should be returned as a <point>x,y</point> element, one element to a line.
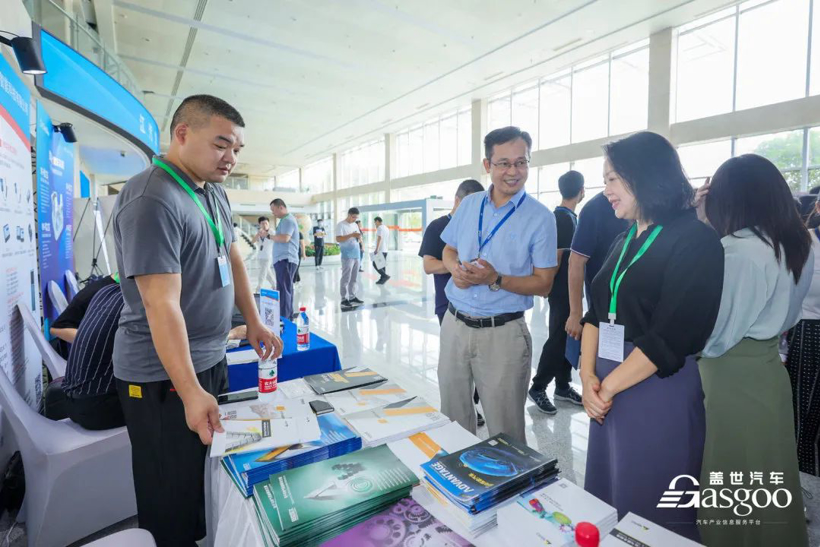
<point>520,165</point>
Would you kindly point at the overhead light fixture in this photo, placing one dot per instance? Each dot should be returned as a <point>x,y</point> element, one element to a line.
<point>67,130</point>
<point>27,53</point>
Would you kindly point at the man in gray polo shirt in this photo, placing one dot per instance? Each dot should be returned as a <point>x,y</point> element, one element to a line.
<point>181,277</point>
<point>285,255</point>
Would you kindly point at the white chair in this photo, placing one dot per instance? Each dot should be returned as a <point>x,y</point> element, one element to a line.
<point>77,481</point>
<point>73,286</point>
<point>55,364</point>
<point>57,297</point>
<point>134,537</point>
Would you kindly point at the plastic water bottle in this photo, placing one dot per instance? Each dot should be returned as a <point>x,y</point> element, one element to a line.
<point>268,375</point>
<point>302,330</point>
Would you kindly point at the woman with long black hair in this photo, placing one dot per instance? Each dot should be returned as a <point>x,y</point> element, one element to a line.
<point>652,307</point>
<point>749,418</point>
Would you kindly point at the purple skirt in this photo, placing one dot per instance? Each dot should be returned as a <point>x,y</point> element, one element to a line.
<point>653,433</point>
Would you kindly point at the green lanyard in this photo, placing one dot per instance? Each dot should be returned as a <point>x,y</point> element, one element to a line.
<point>615,282</point>
<point>116,277</point>
<point>220,237</point>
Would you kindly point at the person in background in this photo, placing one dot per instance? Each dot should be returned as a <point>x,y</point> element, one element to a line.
<point>749,416</point>
<point>319,243</point>
<point>553,363</point>
<point>285,255</point>
<point>349,237</point>
<point>653,306</point>
<point>67,323</point>
<point>596,230</point>
<point>500,250</point>
<point>431,250</point>
<point>178,269</point>
<point>296,277</point>
<point>382,233</point>
<point>264,254</point>
<point>803,364</point>
<point>361,246</point>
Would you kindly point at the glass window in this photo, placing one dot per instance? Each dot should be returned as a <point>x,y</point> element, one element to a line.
<point>362,165</point>
<point>629,92</point>
<point>593,171</point>
<point>814,147</point>
<point>288,181</point>
<point>402,155</point>
<point>771,55</point>
<point>548,177</point>
<point>705,70</point>
<point>499,113</point>
<point>465,137</point>
<point>785,150</point>
<point>448,142</point>
<point>431,147</point>
<point>556,101</point>
<point>318,176</point>
<point>590,98</point>
<point>702,160</point>
<point>525,112</point>
<point>416,150</point>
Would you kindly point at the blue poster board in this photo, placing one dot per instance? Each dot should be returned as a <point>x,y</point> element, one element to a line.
<point>55,195</point>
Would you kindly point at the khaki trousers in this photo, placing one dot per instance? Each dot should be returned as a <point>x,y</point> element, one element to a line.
<point>496,360</point>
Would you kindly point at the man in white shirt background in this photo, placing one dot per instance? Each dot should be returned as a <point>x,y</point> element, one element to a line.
<point>264,254</point>
<point>348,236</point>
<point>382,233</point>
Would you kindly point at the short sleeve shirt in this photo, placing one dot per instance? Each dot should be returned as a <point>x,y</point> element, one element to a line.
<point>597,229</point>
<point>158,229</point>
<point>318,229</point>
<point>287,251</point>
<point>432,245</point>
<point>525,241</point>
<point>565,222</point>
<point>74,313</point>
<point>383,232</point>
<point>349,248</point>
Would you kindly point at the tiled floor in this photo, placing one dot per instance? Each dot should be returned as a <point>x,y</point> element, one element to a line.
<point>397,334</point>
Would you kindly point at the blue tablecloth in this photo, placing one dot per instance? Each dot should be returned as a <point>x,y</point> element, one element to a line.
<point>321,357</point>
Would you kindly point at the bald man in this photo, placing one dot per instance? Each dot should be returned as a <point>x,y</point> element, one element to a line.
<point>181,277</point>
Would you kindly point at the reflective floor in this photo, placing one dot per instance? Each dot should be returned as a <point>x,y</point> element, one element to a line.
<point>396,333</point>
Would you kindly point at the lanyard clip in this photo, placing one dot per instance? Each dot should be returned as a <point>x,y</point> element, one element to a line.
<point>611,318</point>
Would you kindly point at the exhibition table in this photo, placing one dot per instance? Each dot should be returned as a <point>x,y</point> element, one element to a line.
<point>321,357</point>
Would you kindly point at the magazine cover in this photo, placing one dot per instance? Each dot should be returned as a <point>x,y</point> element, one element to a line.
<point>365,398</point>
<point>348,378</point>
<point>255,435</point>
<point>482,469</point>
<point>405,524</point>
<point>314,491</point>
<point>396,419</point>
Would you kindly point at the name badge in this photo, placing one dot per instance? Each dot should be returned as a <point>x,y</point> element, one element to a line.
<point>224,272</point>
<point>611,342</point>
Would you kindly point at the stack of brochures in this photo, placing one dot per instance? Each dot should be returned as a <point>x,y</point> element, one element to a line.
<point>317,502</point>
<point>364,398</point>
<point>349,378</point>
<point>548,516</point>
<point>633,530</point>
<point>474,482</point>
<point>395,421</point>
<point>256,426</point>
<point>250,468</point>
<point>406,523</point>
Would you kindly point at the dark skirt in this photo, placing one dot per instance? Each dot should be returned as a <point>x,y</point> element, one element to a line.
<point>803,367</point>
<point>750,429</point>
<point>653,433</point>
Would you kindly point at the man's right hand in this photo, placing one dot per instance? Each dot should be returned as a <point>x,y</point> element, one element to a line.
<point>574,327</point>
<point>202,415</point>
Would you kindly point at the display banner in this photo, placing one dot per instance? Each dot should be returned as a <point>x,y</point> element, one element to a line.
<point>19,357</point>
<point>55,195</point>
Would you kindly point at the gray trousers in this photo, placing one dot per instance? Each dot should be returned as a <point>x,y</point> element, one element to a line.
<point>497,361</point>
<point>350,275</point>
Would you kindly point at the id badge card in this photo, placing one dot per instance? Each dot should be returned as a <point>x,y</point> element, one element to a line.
<point>611,341</point>
<point>224,272</point>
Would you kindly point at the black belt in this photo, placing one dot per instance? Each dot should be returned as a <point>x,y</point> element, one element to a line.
<point>483,322</point>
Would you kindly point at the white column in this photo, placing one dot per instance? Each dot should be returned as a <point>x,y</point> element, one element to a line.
<point>661,81</point>
<point>479,127</point>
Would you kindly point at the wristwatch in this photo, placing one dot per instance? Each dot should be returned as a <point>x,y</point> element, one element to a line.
<point>496,286</point>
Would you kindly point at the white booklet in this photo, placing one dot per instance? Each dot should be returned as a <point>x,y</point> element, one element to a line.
<point>265,434</point>
<point>633,531</point>
<point>395,421</point>
<point>549,515</point>
<point>365,398</point>
<point>259,409</point>
<point>423,447</point>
